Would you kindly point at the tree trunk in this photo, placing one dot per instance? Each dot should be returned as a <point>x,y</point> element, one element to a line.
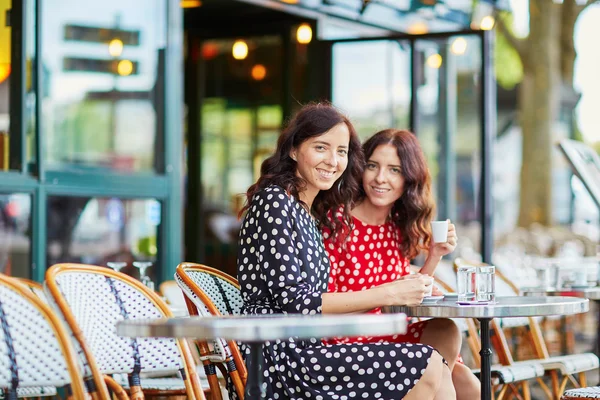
<point>538,109</point>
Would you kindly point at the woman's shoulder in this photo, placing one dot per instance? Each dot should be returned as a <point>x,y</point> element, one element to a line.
<point>272,197</point>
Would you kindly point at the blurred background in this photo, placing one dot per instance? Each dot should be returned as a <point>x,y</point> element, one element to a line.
<point>130,129</point>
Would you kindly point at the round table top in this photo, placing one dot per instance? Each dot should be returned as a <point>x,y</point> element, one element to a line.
<point>592,292</point>
<point>261,328</point>
<point>510,306</point>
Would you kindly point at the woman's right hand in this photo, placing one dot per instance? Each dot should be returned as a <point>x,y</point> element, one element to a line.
<point>407,292</point>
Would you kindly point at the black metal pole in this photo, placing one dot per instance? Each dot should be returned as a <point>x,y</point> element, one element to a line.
<point>486,359</point>
<point>254,388</point>
<point>488,134</point>
<point>415,79</point>
<point>597,346</point>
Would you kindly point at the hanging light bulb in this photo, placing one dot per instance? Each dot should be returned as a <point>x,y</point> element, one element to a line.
<point>115,47</point>
<point>434,61</point>
<point>259,72</point>
<point>125,67</point>
<point>304,34</point>
<point>4,71</point>
<point>239,50</point>
<point>487,23</point>
<point>459,46</point>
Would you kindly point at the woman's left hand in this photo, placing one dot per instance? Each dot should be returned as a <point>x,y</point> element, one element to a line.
<point>441,249</point>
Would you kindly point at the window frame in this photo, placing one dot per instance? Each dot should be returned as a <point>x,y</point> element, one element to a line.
<point>41,182</point>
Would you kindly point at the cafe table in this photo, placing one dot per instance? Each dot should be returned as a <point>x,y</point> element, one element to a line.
<point>257,329</point>
<point>590,293</point>
<point>503,307</point>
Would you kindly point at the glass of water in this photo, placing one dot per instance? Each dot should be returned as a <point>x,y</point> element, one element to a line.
<point>485,278</point>
<point>144,278</point>
<point>116,265</point>
<point>465,276</point>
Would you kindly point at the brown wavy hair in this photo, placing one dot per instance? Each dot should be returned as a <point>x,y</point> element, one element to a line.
<point>311,121</point>
<point>413,211</point>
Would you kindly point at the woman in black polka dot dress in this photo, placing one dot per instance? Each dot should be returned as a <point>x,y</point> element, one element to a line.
<point>283,268</point>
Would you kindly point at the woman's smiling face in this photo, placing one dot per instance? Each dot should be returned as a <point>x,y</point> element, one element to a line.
<point>382,179</point>
<point>321,160</point>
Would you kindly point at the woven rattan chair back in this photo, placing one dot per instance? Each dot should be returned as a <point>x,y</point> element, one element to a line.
<point>211,292</point>
<point>35,347</point>
<point>93,299</point>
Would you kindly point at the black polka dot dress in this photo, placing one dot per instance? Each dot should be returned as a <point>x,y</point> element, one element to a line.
<point>283,268</point>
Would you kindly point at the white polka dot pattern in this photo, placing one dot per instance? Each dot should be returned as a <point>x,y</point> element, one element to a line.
<point>96,311</point>
<point>283,268</point>
<point>39,358</point>
<point>27,392</point>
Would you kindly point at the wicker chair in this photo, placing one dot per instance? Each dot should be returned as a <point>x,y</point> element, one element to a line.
<point>209,291</point>
<point>92,300</point>
<point>36,354</point>
<point>588,393</point>
<point>562,369</point>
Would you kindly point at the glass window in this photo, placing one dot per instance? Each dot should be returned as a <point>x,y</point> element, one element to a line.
<point>449,129</point>
<point>371,83</point>
<point>99,230</point>
<point>11,86</point>
<point>15,234</point>
<point>5,75</point>
<point>103,67</point>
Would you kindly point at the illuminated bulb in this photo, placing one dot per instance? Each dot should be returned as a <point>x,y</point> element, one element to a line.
<point>434,61</point>
<point>115,47</point>
<point>125,67</point>
<point>190,3</point>
<point>487,23</point>
<point>259,72</point>
<point>304,34</point>
<point>4,71</point>
<point>290,1</point>
<point>239,50</point>
<point>418,28</point>
<point>459,46</point>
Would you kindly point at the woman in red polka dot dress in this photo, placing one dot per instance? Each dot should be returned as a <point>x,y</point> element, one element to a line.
<point>391,226</point>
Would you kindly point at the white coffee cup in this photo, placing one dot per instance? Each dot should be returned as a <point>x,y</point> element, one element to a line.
<point>439,231</point>
<point>430,287</point>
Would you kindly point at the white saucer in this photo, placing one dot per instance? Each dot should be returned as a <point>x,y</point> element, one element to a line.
<point>451,296</point>
<point>581,286</point>
<point>475,303</point>
<point>431,300</point>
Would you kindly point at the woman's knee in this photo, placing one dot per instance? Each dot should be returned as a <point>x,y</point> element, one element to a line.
<point>446,328</point>
<point>445,325</point>
<point>431,378</point>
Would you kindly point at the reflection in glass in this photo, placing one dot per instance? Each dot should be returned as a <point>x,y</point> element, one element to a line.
<point>449,128</point>
<point>5,76</point>
<point>371,83</point>
<point>15,235</point>
<point>102,230</point>
<point>103,67</point>
<point>241,120</point>
<point>10,86</point>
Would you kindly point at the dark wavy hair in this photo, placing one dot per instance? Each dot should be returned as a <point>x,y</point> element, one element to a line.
<point>310,121</point>
<point>413,211</point>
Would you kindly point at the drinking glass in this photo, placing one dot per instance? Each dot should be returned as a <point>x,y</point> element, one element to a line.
<point>116,265</point>
<point>144,278</point>
<point>485,278</point>
<point>465,277</point>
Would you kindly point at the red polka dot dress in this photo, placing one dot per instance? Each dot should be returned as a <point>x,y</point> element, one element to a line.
<point>370,258</point>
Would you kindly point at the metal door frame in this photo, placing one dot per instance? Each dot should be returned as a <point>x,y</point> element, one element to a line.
<point>488,114</point>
